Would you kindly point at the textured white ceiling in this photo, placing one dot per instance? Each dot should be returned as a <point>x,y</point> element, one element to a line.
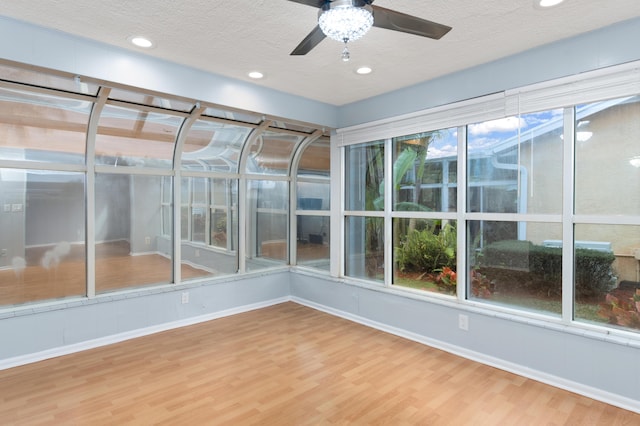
<point>233,37</point>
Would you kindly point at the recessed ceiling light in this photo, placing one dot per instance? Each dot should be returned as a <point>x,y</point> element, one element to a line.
<point>364,70</point>
<point>141,41</point>
<point>547,3</point>
<point>256,75</point>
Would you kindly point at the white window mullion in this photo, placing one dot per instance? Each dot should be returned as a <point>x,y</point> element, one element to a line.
<point>461,225</point>
<point>567,216</point>
<point>90,228</point>
<point>388,207</point>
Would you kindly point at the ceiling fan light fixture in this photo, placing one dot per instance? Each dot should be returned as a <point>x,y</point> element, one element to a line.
<point>345,20</point>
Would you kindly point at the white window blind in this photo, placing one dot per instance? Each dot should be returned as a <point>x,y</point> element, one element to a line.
<point>602,84</point>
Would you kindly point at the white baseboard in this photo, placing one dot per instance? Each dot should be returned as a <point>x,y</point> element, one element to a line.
<point>115,338</point>
<point>559,382</point>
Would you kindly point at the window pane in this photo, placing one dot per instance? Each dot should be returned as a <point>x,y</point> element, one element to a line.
<point>213,146</point>
<point>424,252</point>
<point>515,164</point>
<point>516,264</point>
<point>313,241</point>
<point>271,153</point>
<point>224,213</point>
<point>216,255</point>
<point>131,250</point>
<point>608,157</point>
<point>36,127</point>
<point>364,247</point>
<point>313,195</point>
<point>365,176</point>
<point>42,233</point>
<point>129,137</point>
<point>424,168</point>
<point>268,230</point>
<point>607,277</point>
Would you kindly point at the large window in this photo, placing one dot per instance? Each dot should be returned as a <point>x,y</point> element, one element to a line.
<point>514,166</point>
<point>365,200</point>
<point>607,209</point>
<point>424,198</point>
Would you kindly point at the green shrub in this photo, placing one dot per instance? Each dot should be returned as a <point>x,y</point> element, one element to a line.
<point>538,269</point>
<point>427,250</point>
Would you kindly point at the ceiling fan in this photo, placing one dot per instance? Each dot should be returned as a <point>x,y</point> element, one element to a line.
<point>348,20</point>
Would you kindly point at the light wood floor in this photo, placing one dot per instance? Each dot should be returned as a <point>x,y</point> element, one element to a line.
<point>283,365</point>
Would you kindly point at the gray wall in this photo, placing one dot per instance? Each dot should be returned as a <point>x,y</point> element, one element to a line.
<point>31,331</point>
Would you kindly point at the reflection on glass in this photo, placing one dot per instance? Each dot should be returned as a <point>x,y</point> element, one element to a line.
<point>608,157</point>
<point>424,254</point>
<point>267,211</point>
<point>42,234</point>
<point>313,241</point>
<point>364,247</point>
<point>224,213</point>
<point>37,127</point>
<point>313,195</point>
<point>136,138</point>
<point>365,176</point>
<point>507,270</point>
<point>607,274</point>
<point>213,146</point>
<point>213,227</point>
<point>429,159</point>
<point>271,153</point>
<point>131,250</point>
<point>515,164</point>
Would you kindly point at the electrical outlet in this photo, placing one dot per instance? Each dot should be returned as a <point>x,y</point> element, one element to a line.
<point>185,297</point>
<point>463,322</point>
<point>3,252</point>
<point>147,240</point>
<point>7,208</point>
<point>197,252</point>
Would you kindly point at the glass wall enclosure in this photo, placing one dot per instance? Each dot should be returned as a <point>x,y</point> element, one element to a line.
<point>534,213</point>
<point>312,195</point>
<point>104,189</point>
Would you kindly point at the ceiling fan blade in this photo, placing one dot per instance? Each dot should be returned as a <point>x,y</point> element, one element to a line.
<point>309,42</point>
<point>392,20</point>
<point>314,3</point>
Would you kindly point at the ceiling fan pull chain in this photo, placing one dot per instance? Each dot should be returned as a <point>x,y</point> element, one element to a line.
<point>345,52</point>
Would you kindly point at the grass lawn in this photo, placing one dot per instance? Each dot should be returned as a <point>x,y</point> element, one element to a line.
<point>583,311</point>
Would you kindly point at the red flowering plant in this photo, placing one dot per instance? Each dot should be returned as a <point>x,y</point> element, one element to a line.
<point>622,307</point>
<point>447,279</point>
<point>480,285</point>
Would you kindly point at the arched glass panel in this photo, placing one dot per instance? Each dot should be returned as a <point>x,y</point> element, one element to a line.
<point>136,138</point>
<point>38,127</point>
<point>214,146</point>
<point>271,153</point>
